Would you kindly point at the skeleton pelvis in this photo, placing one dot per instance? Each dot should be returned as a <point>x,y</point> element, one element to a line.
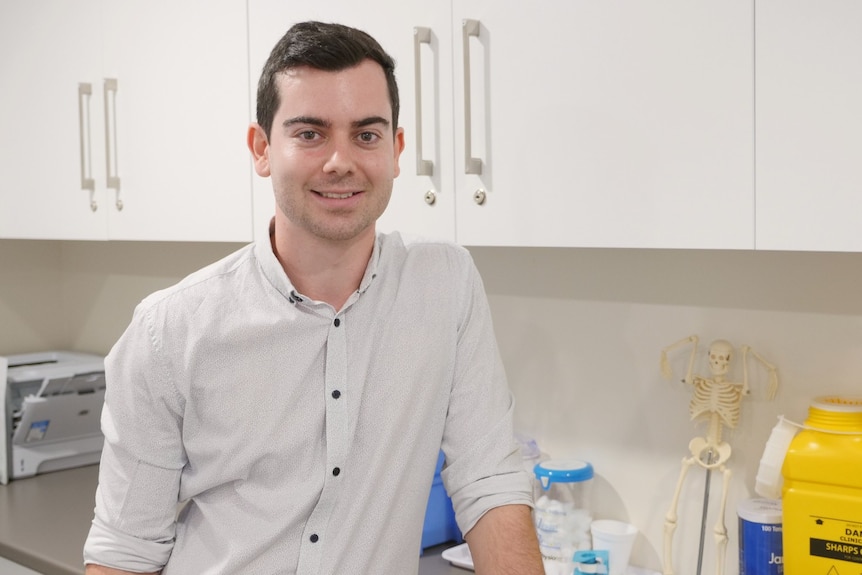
<point>708,454</point>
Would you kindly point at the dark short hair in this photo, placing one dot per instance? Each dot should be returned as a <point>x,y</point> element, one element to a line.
<point>329,47</point>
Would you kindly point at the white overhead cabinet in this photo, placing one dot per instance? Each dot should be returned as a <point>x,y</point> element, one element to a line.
<point>605,123</point>
<point>50,49</point>
<point>414,33</point>
<point>809,125</point>
<point>581,123</point>
<point>124,120</point>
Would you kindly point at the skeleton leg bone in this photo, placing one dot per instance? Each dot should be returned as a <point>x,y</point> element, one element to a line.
<point>670,519</point>
<point>720,529</point>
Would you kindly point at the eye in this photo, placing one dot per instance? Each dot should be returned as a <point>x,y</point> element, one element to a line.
<point>368,137</point>
<point>307,135</point>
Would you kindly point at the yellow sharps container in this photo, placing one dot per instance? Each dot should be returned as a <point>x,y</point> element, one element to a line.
<point>822,493</point>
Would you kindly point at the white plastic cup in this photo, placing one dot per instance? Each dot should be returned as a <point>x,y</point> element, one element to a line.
<point>617,538</point>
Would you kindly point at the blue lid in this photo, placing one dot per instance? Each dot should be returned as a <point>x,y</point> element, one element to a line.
<point>562,471</point>
<point>592,562</point>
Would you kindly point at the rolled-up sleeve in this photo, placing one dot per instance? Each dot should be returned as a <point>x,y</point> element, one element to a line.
<point>142,459</point>
<point>484,468</point>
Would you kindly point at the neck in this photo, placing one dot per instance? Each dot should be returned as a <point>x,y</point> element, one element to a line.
<point>321,269</point>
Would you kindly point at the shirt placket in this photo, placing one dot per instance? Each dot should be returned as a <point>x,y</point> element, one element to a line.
<point>314,535</point>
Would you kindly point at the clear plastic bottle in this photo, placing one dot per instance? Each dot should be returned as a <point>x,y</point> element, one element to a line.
<point>562,508</point>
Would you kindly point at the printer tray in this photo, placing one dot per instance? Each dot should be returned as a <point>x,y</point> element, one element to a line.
<point>57,432</point>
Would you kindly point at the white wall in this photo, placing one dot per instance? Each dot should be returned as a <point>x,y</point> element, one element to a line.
<point>581,333</point>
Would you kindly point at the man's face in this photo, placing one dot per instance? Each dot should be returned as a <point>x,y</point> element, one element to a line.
<point>332,154</point>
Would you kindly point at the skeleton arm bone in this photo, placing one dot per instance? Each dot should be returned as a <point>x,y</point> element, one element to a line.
<point>665,365</point>
<point>773,372</point>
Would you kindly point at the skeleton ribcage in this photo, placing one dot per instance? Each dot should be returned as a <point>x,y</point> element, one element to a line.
<point>711,397</point>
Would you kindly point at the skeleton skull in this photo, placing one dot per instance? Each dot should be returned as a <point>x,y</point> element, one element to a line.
<point>719,356</point>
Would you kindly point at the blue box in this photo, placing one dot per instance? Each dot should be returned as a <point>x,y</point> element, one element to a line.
<point>440,525</point>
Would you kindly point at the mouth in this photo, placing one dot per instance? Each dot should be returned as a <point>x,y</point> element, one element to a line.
<point>337,195</point>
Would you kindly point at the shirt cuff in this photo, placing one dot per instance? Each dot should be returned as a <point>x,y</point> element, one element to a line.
<point>473,501</point>
<point>111,548</point>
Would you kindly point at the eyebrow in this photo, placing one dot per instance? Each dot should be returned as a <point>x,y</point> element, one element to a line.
<point>310,120</point>
<point>371,121</point>
<point>313,121</point>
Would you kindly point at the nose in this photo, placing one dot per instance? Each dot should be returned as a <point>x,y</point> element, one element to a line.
<point>340,160</point>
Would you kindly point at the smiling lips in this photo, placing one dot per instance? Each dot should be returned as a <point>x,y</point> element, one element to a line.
<point>336,196</point>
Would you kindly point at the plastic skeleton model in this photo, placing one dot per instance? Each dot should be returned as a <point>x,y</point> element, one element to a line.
<point>718,401</point>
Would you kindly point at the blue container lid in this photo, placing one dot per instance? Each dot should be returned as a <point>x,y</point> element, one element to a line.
<point>562,471</point>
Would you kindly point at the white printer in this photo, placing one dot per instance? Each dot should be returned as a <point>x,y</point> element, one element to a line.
<point>50,412</point>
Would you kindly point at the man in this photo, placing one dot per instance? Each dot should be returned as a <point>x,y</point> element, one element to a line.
<point>295,395</point>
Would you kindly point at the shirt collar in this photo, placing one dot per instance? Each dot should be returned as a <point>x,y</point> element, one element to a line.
<point>271,267</point>
<point>373,264</point>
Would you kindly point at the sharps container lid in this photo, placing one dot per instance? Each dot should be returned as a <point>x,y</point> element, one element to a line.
<point>766,511</point>
<point>845,403</point>
<point>562,471</point>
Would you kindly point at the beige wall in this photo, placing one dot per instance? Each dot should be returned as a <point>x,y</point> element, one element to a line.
<point>80,295</point>
<point>31,309</point>
<point>104,281</point>
<point>580,331</point>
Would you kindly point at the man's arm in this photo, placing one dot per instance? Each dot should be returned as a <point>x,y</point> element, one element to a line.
<point>503,542</point>
<point>101,570</point>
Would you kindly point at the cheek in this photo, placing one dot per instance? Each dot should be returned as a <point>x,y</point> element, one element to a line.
<point>292,163</point>
<point>384,167</point>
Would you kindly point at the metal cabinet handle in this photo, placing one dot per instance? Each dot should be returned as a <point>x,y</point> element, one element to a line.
<point>420,36</point>
<point>85,91</point>
<point>471,165</point>
<point>112,176</point>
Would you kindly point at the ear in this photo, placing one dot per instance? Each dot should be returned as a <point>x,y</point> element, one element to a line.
<point>398,148</point>
<point>259,148</point>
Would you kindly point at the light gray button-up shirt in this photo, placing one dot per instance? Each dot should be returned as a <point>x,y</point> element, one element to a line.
<point>302,439</point>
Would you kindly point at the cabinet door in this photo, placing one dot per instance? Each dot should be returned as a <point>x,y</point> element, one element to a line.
<point>422,200</point>
<point>50,127</point>
<point>809,125</point>
<point>605,123</point>
<point>179,117</point>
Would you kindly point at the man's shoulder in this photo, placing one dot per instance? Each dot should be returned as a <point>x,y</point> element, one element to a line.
<point>416,246</point>
<point>216,276</point>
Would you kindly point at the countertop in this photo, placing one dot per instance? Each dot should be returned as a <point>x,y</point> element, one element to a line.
<point>44,521</point>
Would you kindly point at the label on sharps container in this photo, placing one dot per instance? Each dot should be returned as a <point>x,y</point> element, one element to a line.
<point>835,538</point>
<point>760,551</point>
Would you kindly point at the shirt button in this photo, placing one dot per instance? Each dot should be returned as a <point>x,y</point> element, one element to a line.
<point>336,471</point>
<point>314,538</point>
<point>337,322</point>
<point>336,394</point>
